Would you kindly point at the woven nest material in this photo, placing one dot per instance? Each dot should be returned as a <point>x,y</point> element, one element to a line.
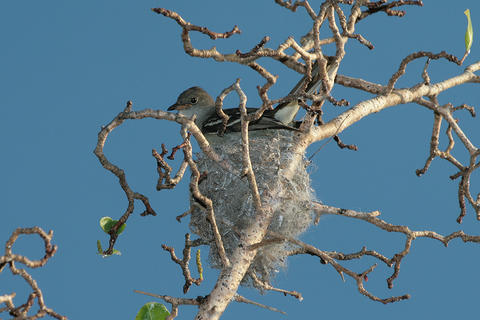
<point>289,194</point>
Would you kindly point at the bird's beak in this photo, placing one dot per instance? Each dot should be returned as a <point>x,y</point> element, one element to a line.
<point>178,106</point>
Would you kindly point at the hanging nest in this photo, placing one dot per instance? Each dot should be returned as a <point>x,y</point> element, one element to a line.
<point>288,193</point>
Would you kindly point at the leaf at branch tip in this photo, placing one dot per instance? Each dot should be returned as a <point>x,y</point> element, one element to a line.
<point>468,33</point>
<point>107,223</point>
<point>100,251</point>
<point>152,311</point>
<point>115,251</point>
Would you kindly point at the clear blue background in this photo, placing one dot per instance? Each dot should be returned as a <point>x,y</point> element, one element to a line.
<point>67,68</point>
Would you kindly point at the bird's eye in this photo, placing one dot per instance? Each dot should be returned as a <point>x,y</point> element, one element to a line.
<point>194,100</point>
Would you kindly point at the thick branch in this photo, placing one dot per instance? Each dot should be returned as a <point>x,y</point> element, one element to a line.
<point>374,105</point>
<point>230,277</point>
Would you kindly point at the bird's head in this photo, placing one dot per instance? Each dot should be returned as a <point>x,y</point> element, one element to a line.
<point>194,101</point>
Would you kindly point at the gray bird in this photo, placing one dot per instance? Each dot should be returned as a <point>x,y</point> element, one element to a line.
<point>196,101</point>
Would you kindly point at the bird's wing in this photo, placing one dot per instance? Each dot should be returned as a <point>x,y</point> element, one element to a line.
<point>267,121</point>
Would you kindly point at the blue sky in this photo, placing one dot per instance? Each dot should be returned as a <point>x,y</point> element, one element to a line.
<point>67,68</point>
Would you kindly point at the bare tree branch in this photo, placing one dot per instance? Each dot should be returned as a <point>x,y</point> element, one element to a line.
<point>183,263</point>
<point>445,112</point>
<point>195,191</point>
<point>10,259</point>
<point>164,170</point>
<point>374,105</point>
<point>410,235</point>
<point>414,56</point>
<point>358,277</point>
<point>239,298</point>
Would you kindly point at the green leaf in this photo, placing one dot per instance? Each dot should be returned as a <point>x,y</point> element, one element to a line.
<point>469,32</point>
<point>152,311</point>
<point>107,223</point>
<point>99,247</point>
<point>100,251</point>
<point>115,251</point>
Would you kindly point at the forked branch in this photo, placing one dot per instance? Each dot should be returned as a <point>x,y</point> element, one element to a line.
<point>10,259</point>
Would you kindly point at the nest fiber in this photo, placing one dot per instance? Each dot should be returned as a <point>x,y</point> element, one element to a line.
<point>277,170</point>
